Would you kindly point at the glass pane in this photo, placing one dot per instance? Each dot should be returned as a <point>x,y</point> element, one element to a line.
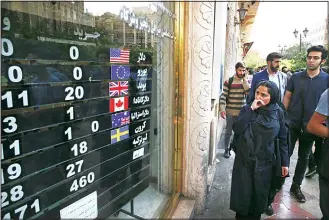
<point>87,113</point>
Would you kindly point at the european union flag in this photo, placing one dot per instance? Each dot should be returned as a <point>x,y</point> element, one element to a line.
<point>119,134</point>
<point>120,72</point>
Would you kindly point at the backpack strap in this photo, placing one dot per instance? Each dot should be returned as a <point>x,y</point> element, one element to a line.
<point>230,81</point>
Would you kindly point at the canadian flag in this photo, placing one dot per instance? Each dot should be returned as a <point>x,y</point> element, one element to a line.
<point>119,104</point>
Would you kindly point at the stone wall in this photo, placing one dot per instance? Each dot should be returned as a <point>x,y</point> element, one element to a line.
<point>199,115</point>
<point>230,39</point>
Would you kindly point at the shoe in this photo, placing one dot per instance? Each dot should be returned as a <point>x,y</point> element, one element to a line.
<point>269,210</point>
<point>295,191</point>
<point>227,154</point>
<point>311,172</point>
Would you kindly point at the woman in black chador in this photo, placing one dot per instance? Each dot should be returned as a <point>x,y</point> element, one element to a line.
<point>260,141</point>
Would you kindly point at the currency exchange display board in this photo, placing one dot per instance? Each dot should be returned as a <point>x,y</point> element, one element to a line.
<point>75,121</point>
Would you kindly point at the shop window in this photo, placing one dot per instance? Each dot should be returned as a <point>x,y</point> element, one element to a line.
<point>86,111</point>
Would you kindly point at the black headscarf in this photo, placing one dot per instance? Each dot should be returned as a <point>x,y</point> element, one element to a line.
<point>269,112</point>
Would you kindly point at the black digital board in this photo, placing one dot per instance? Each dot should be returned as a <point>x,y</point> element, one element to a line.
<point>75,120</point>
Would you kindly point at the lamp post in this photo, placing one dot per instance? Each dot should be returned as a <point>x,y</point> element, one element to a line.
<point>242,14</point>
<point>282,48</point>
<point>305,31</point>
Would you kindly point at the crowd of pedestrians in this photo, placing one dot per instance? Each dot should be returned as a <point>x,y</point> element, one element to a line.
<point>270,112</point>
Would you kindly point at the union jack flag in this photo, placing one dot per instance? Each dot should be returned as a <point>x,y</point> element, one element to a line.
<point>118,88</point>
<point>125,120</point>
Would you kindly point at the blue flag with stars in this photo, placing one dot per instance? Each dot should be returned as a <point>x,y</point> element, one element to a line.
<point>120,119</point>
<point>120,72</point>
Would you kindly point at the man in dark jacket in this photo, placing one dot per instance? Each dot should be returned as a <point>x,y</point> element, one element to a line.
<point>321,129</point>
<point>270,73</point>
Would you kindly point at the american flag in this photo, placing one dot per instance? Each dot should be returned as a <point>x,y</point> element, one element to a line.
<point>118,88</point>
<point>119,56</point>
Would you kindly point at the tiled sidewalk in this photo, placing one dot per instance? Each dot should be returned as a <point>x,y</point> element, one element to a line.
<point>285,206</point>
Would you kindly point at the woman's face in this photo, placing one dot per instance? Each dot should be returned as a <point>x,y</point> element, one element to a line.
<point>263,94</point>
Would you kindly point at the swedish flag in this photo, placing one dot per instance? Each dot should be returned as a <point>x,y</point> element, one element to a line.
<point>119,134</point>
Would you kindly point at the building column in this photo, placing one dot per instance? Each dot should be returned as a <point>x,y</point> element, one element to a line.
<point>230,38</point>
<point>199,55</point>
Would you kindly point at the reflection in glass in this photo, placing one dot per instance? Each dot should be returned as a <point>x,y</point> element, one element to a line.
<point>69,71</point>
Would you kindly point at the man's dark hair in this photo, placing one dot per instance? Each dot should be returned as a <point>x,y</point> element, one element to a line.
<point>283,68</point>
<point>318,48</point>
<point>239,64</point>
<point>273,56</point>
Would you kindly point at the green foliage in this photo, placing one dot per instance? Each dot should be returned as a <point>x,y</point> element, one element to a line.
<point>299,60</point>
<point>292,58</point>
<point>287,63</point>
<point>296,58</point>
<point>253,59</point>
<point>293,51</point>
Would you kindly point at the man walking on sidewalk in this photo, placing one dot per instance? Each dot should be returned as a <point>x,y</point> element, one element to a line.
<point>232,100</point>
<point>303,92</point>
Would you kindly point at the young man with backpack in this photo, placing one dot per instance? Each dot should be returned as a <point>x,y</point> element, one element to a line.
<point>232,100</point>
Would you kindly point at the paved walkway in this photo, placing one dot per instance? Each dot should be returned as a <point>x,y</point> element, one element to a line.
<point>285,206</point>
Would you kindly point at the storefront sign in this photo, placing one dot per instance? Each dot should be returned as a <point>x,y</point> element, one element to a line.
<point>142,23</point>
<point>161,7</point>
<point>70,128</point>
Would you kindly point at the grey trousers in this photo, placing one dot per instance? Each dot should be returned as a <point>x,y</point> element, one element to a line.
<point>230,119</point>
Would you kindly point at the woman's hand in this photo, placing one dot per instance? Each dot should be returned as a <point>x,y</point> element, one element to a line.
<point>256,104</point>
<point>285,171</point>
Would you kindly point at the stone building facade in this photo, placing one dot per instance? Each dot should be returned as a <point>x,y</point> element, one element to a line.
<point>214,46</point>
